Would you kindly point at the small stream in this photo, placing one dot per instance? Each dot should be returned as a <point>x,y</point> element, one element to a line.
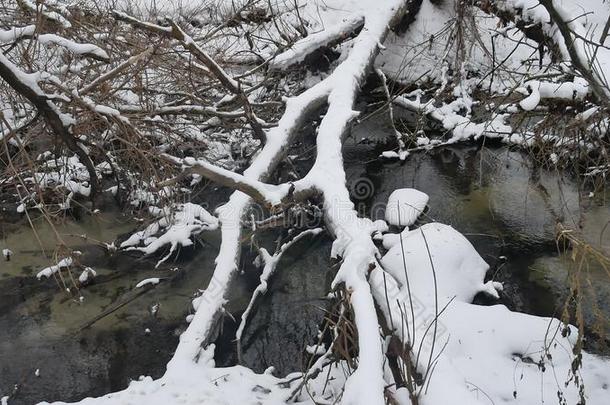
<point>505,206</point>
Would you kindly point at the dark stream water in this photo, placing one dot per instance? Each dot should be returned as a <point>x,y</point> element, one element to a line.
<point>494,195</point>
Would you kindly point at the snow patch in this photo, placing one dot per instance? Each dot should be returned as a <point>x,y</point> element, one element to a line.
<point>49,271</point>
<point>404,206</point>
<point>148,281</point>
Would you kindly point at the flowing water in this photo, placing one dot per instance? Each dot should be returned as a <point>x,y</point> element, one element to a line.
<point>507,207</point>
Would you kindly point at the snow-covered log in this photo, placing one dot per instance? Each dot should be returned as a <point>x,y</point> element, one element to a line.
<point>266,194</point>
<point>353,242</point>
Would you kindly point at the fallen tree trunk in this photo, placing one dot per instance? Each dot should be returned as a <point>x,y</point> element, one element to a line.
<point>353,234</point>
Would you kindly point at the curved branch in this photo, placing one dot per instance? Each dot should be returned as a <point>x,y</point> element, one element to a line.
<point>27,86</point>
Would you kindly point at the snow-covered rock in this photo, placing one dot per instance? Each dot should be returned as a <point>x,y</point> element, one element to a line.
<point>458,267</point>
<point>485,354</point>
<point>86,275</point>
<point>404,206</point>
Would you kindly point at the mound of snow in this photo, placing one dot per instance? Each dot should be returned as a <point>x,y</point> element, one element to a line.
<point>459,268</point>
<point>404,206</point>
<point>198,383</point>
<point>481,354</point>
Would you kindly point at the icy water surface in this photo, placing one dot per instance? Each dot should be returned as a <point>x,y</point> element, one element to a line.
<point>509,209</point>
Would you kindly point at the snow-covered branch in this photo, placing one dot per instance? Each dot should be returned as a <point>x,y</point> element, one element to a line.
<point>214,68</point>
<point>568,35</point>
<point>266,194</point>
<point>328,37</point>
<point>26,84</point>
<point>175,228</point>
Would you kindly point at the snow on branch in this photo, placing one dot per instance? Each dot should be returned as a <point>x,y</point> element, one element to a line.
<point>44,10</point>
<point>540,90</point>
<point>175,228</point>
<point>328,37</point>
<point>212,66</point>
<point>81,49</point>
<point>16,33</point>
<point>26,84</point>
<point>88,50</point>
<point>51,270</point>
<point>197,336</point>
<point>266,194</point>
<point>187,109</point>
<point>353,243</point>
<point>116,71</point>
<point>588,58</point>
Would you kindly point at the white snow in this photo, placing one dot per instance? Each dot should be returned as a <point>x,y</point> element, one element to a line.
<point>272,194</point>
<point>76,48</point>
<point>315,350</point>
<point>174,228</point>
<point>459,268</point>
<point>199,383</point>
<point>312,42</point>
<point>49,271</point>
<point>148,281</point>
<point>16,32</point>
<point>404,206</point>
<point>480,349</point>
<point>43,9</point>
<point>87,274</point>
<point>585,18</point>
<point>577,90</point>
